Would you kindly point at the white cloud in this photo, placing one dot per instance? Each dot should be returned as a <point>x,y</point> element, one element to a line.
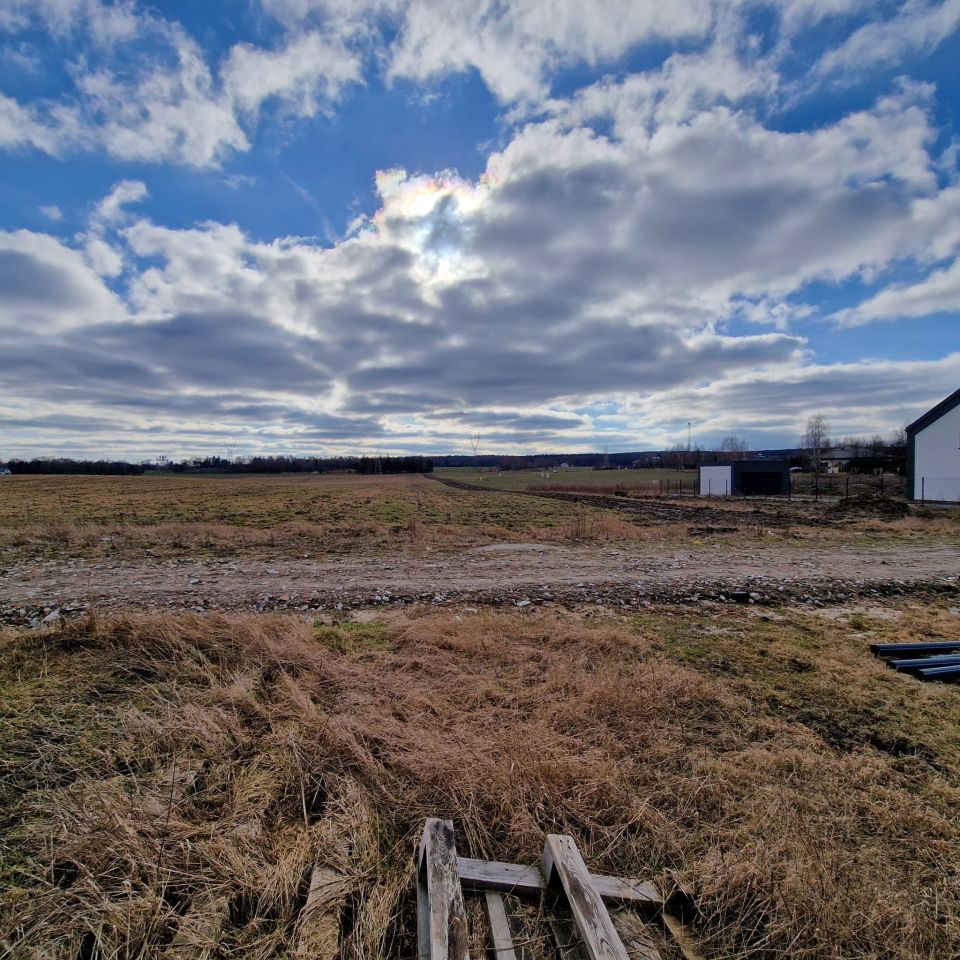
<point>22,126</point>
<point>52,212</point>
<point>110,209</point>
<point>918,27</point>
<point>514,46</point>
<point>802,14</point>
<point>103,23</point>
<point>309,72</point>
<point>47,287</point>
<point>938,292</point>
<point>168,113</point>
<point>176,108</point>
<point>103,259</point>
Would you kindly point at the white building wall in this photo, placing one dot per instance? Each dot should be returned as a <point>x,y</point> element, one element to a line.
<point>936,473</point>
<point>716,481</point>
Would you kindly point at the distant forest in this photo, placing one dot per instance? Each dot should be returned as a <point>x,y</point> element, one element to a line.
<point>222,465</point>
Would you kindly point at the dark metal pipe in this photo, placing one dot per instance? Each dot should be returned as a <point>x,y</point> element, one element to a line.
<point>888,649</point>
<point>941,673</point>
<point>920,662</point>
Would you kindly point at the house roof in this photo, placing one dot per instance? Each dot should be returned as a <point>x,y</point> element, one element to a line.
<point>935,413</point>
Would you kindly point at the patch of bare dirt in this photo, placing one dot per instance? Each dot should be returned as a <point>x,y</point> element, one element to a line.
<point>522,574</point>
<point>871,505</point>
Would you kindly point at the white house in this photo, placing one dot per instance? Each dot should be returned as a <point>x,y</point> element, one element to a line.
<point>933,453</point>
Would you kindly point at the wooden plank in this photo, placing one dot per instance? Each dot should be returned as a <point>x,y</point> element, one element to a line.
<point>423,919</point>
<point>562,862</point>
<point>681,936</point>
<point>636,935</point>
<point>493,875</point>
<point>318,928</point>
<point>626,890</point>
<point>514,878</point>
<point>447,918</point>
<point>198,936</point>
<point>499,927</point>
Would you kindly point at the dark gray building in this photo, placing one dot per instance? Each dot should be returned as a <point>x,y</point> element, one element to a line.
<point>764,478</point>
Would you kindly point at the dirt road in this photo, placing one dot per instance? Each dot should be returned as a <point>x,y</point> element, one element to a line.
<point>508,573</point>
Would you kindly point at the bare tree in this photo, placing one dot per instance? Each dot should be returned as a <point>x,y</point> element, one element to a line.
<point>816,438</point>
<point>898,440</point>
<point>734,445</point>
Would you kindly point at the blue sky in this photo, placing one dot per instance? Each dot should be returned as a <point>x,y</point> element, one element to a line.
<point>329,226</point>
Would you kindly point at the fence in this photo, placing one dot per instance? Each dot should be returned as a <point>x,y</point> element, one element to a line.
<point>848,484</point>
<point>802,485</point>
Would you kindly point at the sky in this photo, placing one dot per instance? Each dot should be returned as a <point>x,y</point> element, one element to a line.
<point>324,227</point>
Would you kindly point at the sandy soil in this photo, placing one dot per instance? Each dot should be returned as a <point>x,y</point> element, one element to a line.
<point>509,573</point>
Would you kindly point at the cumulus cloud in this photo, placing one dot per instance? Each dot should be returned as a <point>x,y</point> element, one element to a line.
<point>46,287</point>
<point>577,269</point>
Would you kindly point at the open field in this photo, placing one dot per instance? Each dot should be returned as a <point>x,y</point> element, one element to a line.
<point>242,678</point>
<point>646,482</point>
<point>170,515</point>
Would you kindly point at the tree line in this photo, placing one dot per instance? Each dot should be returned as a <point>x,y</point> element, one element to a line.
<point>364,465</point>
<point>113,468</point>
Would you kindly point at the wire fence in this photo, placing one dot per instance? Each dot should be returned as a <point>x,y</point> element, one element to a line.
<point>801,485</point>
<point>848,484</point>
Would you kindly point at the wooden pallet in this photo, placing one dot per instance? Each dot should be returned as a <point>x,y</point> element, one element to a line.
<point>580,907</point>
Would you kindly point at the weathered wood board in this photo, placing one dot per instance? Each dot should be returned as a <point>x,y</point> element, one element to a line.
<point>446,927</point>
<point>318,929</point>
<point>562,862</point>
<point>514,878</point>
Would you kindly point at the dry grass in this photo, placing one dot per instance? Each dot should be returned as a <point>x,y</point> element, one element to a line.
<point>803,794</point>
<point>276,517</point>
<point>267,516</point>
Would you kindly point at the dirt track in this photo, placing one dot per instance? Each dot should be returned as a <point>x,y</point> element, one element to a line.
<point>509,573</point>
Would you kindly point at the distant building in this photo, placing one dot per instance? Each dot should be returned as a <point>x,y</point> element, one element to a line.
<point>933,453</point>
<point>4,470</point>
<point>837,459</point>
<point>770,478</point>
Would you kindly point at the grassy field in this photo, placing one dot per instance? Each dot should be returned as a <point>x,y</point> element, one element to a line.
<point>53,517</point>
<point>163,773</point>
<point>272,515</point>
<point>647,482</point>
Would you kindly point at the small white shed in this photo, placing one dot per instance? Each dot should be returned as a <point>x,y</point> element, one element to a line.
<point>716,481</point>
<point>933,453</point>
